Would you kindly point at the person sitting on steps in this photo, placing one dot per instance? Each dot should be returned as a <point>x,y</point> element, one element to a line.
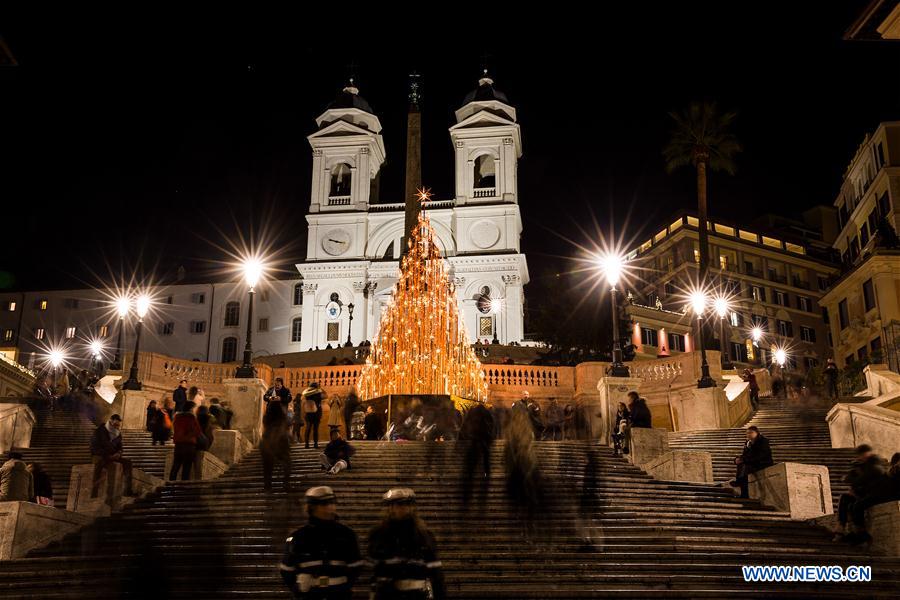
<point>757,455</point>
<point>337,454</point>
<point>106,449</point>
<point>620,430</point>
<point>869,486</point>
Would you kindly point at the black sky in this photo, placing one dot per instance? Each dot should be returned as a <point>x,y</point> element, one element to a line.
<point>139,143</point>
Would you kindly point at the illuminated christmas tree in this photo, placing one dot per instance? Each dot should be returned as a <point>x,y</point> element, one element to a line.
<point>421,346</point>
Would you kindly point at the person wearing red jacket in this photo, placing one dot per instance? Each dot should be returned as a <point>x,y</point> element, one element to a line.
<point>186,430</point>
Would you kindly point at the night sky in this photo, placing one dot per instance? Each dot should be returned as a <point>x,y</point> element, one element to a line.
<point>150,143</point>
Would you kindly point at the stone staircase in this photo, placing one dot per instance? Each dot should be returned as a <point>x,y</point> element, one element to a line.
<point>61,439</point>
<point>796,429</point>
<point>223,538</point>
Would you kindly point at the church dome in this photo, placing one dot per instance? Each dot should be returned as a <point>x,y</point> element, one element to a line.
<point>349,98</point>
<point>485,92</point>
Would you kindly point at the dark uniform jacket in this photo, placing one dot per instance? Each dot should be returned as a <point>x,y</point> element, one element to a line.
<point>179,397</point>
<point>324,555</point>
<point>102,443</point>
<point>403,551</point>
<point>757,455</point>
<point>867,477</point>
<point>640,415</point>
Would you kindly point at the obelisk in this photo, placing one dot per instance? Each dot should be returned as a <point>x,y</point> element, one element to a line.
<point>413,158</point>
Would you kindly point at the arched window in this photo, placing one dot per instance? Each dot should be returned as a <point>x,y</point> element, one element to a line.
<point>485,176</point>
<point>229,349</point>
<point>298,294</point>
<point>389,253</point>
<point>232,314</point>
<point>340,180</point>
<point>295,329</point>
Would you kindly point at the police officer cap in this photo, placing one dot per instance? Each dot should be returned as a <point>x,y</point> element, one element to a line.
<point>320,495</point>
<point>400,496</point>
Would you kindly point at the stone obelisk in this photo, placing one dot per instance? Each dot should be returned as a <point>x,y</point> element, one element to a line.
<point>413,158</point>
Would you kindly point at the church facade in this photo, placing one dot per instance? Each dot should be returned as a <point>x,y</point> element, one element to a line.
<point>355,242</point>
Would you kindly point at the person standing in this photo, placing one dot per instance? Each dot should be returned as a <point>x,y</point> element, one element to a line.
<point>374,426</point>
<point>163,426</point>
<point>350,407</point>
<point>275,447</point>
<point>278,397</point>
<point>16,482</point>
<point>321,559</point>
<point>106,449</point>
<point>750,378</point>
<point>312,411</point>
<point>196,395</point>
<point>404,553</point>
<point>478,432</point>
<point>152,416</point>
<point>831,378</point>
<point>186,434</point>
<point>554,421</point>
<point>179,396</point>
<point>335,413</point>
<point>757,455</point>
<point>358,424</point>
<point>43,486</point>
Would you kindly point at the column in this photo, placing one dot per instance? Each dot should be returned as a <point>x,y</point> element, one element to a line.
<point>512,331</point>
<point>308,325</point>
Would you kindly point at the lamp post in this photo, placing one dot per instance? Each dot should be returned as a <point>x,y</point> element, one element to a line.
<point>495,309</point>
<point>698,303</point>
<point>123,305</point>
<point>612,266</point>
<point>780,359</point>
<point>96,347</point>
<point>349,343</point>
<point>253,269</point>
<point>722,309</point>
<point>142,306</point>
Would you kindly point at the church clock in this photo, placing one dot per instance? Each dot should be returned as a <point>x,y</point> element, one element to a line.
<point>336,242</point>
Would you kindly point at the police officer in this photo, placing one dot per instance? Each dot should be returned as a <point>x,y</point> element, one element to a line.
<point>404,553</point>
<point>321,559</point>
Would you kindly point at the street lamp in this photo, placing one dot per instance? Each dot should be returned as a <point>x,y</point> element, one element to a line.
<point>757,333</point>
<point>612,266</point>
<point>698,304</point>
<point>781,358</point>
<point>349,343</point>
<point>123,305</point>
<point>253,270</point>
<point>141,307</point>
<point>722,309</point>
<point>96,347</point>
<point>495,308</point>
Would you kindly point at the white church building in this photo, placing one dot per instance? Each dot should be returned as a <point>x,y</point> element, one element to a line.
<point>354,243</point>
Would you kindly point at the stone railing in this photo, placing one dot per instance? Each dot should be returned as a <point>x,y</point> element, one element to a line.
<point>854,424</point>
<point>884,387</point>
<point>528,376</point>
<point>15,379</point>
<point>487,192</point>
<point>337,379</point>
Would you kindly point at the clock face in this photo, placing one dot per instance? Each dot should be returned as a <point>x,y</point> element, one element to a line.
<point>336,242</point>
<point>484,234</point>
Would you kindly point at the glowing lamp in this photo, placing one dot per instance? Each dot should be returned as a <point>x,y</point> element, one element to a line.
<point>720,304</point>
<point>698,302</point>
<point>756,332</point>
<point>57,357</point>
<point>780,356</point>
<point>123,305</point>
<point>253,270</point>
<point>142,306</point>
<point>96,348</point>
<point>612,265</point>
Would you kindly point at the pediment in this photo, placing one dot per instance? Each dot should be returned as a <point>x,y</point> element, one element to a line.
<point>340,128</point>
<point>483,118</point>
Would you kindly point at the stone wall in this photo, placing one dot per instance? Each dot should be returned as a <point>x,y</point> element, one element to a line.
<point>16,423</point>
<point>25,526</point>
<point>854,424</point>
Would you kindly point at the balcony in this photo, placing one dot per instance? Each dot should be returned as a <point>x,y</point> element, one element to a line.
<point>799,283</point>
<point>753,272</point>
<point>339,200</point>
<point>487,192</point>
<point>778,278</point>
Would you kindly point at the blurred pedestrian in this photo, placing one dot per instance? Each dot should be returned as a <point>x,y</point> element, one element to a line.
<point>831,378</point>
<point>869,485</point>
<point>275,447</point>
<point>313,396</point>
<point>477,433</point>
<point>553,421</point>
<point>43,486</point>
<point>750,378</point>
<point>186,434</point>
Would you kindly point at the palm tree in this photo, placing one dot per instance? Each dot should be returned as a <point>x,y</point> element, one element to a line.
<point>701,138</point>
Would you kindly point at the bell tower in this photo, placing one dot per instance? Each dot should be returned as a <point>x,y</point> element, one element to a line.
<point>488,145</point>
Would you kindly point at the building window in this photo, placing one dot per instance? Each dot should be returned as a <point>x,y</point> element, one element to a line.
<point>884,204</point>
<point>696,255</point>
<point>669,289</point>
<point>170,299</point>
<point>759,321</point>
<point>875,344</point>
<point>676,342</point>
<point>873,222</point>
<point>166,328</point>
<point>295,329</point>
<point>649,337</point>
<point>843,314</point>
<point>229,349</point>
<point>70,333</point>
<point>825,318</point>
<point>868,295</point>
<point>849,359</point>
<point>811,363</point>
<point>11,306</point>
<point>103,331</point>
<point>334,331</point>
<point>485,326</point>
<point>42,304</point>
<point>808,334</point>
<point>758,293</point>
<point>298,294</point>
<point>723,262</point>
<point>232,314</point>
<point>804,304</point>
<point>863,235</point>
<point>70,303</point>
<point>739,352</point>
<point>785,328</point>
<point>198,298</point>
<point>781,298</point>
<point>39,333</point>
<point>8,335</point>
<point>340,180</point>
<point>263,324</point>
<point>823,282</point>
<point>198,326</point>
<point>862,353</point>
